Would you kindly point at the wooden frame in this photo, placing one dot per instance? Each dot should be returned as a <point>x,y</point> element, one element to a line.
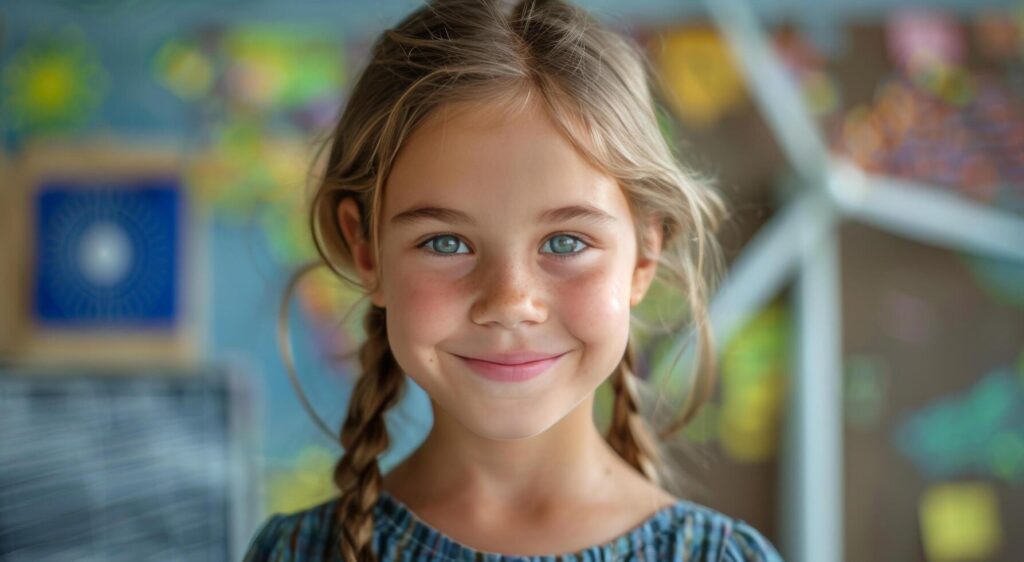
<point>24,339</point>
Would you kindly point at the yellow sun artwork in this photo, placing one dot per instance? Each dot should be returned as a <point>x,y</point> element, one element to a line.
<point>53,84</point>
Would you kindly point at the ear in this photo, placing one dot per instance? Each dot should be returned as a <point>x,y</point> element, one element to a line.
<point>646,265</point>
<point>362,254</point>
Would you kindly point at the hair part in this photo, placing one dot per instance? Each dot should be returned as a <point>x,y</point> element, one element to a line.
<point>595,86</point>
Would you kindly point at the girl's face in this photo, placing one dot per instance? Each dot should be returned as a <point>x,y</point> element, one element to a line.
<point>535,251</point>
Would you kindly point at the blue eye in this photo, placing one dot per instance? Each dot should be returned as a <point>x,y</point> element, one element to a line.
<point>452,244</point>
<point>567,243</point>
<point>449,245</point>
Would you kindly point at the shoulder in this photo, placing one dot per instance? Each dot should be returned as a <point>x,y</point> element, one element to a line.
<point>702,533</point>
<point>745,544</point>
<point>303,536</point>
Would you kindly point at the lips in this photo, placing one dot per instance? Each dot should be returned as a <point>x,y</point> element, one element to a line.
<point>514,358</point>
<point>518,372</point>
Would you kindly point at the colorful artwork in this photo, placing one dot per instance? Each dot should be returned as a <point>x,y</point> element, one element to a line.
<point>960,522</point>
<point>53,84</point>
<point>275,86</point>
<point>978,434</point>
<point>246,175</point>
<point>281,67</point>
<point>703,82</point>
<point>289,79</point>
<point>754,367</point>
<point>976,149</point>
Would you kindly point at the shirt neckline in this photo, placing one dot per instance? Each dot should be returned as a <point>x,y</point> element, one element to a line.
<point>645,533</point>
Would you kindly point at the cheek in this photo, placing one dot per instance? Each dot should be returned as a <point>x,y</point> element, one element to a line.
<point>420,307</point>
<point>595,306</point>
<point>422,311</point>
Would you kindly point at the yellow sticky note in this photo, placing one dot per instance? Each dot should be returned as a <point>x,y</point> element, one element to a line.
<point>960,522</point>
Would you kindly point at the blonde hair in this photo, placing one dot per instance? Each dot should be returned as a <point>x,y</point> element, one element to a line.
<point>596,87</point>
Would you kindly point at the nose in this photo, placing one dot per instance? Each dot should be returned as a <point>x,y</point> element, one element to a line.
<point>510,294</point>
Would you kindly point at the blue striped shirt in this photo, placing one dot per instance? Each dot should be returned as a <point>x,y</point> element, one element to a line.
<point>682,531</point>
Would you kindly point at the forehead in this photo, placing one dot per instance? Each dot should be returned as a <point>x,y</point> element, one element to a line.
<point>494,163</point>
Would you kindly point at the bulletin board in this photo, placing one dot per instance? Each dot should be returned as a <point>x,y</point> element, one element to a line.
<point>146,465</point>
<point>934,437</point>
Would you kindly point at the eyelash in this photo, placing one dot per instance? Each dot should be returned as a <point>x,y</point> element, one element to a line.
<point>423,245</point>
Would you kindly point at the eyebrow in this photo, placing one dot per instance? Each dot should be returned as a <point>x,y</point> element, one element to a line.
<point>442,214</point>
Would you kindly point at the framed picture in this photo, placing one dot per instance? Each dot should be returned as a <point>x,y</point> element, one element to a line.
<point>102,257</point>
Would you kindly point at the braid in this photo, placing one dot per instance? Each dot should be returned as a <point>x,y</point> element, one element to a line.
<point>629,434</point>
<point>364,437</point>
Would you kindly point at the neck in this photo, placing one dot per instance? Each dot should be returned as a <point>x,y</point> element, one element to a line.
<point>570,462</point>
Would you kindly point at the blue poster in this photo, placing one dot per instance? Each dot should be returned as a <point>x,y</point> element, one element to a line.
<point>107,255</point>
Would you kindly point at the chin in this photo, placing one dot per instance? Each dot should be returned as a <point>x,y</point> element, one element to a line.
<point>509,432</point>
<point>490,421</point>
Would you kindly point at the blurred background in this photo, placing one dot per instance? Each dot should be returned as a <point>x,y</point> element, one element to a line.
<point>153,175</point>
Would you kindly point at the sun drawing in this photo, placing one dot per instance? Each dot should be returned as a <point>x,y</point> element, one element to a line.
<point>53,83</point>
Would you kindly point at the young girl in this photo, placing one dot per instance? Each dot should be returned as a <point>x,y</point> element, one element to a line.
<point>499,184</point>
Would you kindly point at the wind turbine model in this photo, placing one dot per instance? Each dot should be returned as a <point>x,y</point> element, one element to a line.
<point>801,243</point>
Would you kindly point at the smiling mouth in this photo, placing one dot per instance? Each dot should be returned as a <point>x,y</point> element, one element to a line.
<point>520,364</point>
<point>520,372</point>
